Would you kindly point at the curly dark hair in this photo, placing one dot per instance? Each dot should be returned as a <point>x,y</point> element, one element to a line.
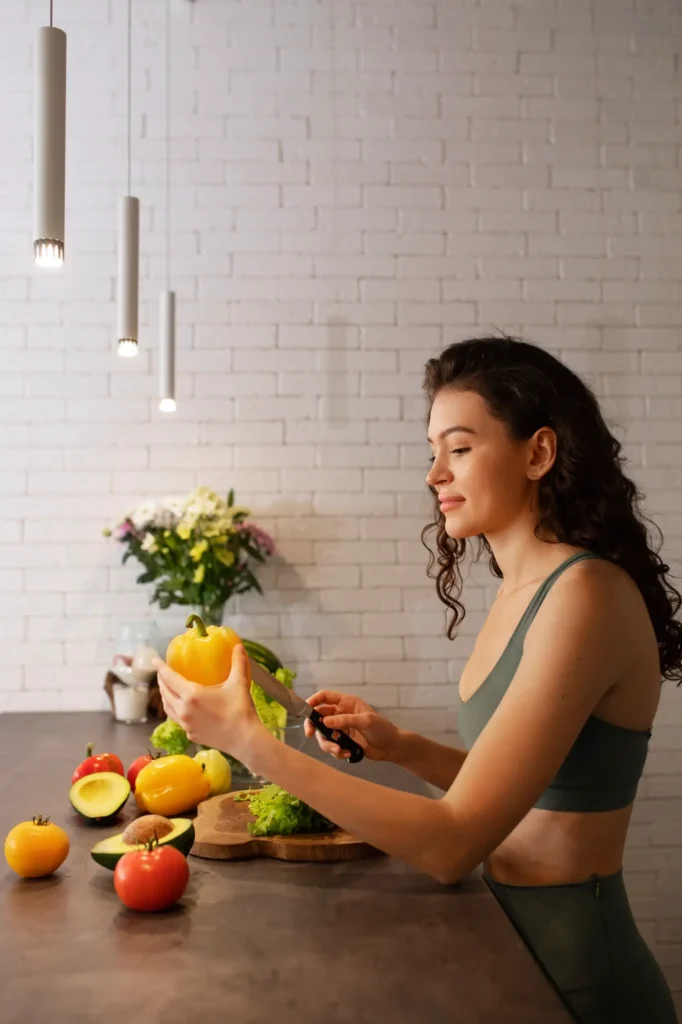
<point>585,499</point>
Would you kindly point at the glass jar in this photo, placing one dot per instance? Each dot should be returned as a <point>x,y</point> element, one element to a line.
<point>135,636</point>
<point>130,702</point>
<point>131,666</point>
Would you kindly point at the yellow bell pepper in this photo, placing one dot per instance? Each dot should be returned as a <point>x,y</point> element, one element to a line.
<point>203,654</point>
<point>171,785</point>
<point>217,770</point>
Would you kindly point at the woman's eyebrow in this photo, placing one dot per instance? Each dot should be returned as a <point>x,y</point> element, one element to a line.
<point>452,430</point>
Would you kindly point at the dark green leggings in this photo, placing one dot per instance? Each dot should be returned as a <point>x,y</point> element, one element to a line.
<point>586,940</point>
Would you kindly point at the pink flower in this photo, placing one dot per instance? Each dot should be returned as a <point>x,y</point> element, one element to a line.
<point>122,531</point>
<point>263,539</point>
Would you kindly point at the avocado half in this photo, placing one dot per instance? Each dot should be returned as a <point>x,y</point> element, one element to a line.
<point>99,796</point>
<point>109,851</point>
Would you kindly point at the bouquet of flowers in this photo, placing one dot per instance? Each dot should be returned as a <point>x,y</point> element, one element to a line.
<point>197,550</point>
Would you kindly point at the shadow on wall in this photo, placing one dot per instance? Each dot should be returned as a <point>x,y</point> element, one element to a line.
<point>334,365</point>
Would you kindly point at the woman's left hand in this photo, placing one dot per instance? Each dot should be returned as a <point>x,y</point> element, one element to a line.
<point>222,716</point>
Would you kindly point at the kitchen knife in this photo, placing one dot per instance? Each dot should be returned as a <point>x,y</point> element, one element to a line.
<point>301,709</point>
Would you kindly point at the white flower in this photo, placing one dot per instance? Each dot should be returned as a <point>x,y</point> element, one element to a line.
<point>174,505</point>
<point>169,512</point>
<point>149,543</point>
<point>202,502</point>
<point>143,514</point>
<point>201,506</point>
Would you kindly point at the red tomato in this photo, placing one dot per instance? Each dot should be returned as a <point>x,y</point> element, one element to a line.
<point>136,767</point>
<point>151,879</point>
<point>94,763</point>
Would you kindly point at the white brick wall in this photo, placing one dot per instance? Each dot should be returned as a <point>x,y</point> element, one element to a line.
<point>355,184</point>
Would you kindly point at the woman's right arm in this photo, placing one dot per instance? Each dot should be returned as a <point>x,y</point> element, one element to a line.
<point>381,740</point>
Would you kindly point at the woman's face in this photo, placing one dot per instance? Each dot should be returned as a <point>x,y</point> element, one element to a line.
<point>490,476</point>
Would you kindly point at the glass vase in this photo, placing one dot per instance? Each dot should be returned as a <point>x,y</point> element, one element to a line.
<point>211,615</point>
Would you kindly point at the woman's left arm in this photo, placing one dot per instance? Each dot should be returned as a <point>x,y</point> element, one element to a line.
<point>567,666</point>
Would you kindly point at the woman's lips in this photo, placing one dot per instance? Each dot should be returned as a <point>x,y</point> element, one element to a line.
<point>450,503</point>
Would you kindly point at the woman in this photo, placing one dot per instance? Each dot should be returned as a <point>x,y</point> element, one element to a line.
<point>557,699</point>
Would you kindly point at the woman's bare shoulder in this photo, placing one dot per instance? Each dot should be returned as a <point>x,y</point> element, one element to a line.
<point>600,580</point>
<point>613,599</point>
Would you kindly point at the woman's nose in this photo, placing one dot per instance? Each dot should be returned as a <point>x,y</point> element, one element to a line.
<point>437,473</point>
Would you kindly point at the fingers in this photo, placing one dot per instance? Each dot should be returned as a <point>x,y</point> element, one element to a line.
<point>174,682</point>
<point>240,668</point>
<point>345,722</point>
<point>326,745</point>
<point>332,748</point>
<point>324,697</point>
<point>169,704</point>
<point>327,709</point>
<point>323,709</point>
<point>178,695</point>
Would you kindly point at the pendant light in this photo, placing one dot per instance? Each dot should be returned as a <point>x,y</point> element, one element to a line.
<point>128,244</point>
<point>49,146</point>
<point>167,298</point>
<point>167,351</point>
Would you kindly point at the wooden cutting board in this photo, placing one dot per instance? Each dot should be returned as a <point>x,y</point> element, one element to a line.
<point>221,834</point>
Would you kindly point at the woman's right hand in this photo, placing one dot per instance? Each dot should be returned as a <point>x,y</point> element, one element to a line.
<point>346,713</point>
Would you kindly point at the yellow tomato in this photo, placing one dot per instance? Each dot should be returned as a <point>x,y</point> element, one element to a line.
<point>203,654</point>
<point>171,785</point>
<point>36,848</point>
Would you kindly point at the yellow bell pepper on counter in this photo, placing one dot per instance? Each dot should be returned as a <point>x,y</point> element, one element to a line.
<point>171,785</point>
<point>216,769</point>
<point>203,654</point>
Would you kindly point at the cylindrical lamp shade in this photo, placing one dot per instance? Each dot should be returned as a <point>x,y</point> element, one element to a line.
<point>128,274</point>
<point>167,352</point>
<point>49,148</point>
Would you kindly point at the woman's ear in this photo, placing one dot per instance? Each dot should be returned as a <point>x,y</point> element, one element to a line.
<point>542,453</point>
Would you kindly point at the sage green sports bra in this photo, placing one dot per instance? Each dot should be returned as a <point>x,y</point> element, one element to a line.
<point>603,767</point>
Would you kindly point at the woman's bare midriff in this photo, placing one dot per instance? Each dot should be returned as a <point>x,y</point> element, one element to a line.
<point>556,847</point>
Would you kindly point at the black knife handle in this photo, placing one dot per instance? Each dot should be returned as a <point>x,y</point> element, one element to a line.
<point>344,741</point>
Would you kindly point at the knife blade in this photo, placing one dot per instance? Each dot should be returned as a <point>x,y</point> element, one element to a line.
<point>300,708</point>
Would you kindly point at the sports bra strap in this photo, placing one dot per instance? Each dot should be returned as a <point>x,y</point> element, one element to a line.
<point>541,593</point>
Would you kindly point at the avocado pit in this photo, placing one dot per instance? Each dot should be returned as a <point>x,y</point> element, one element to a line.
<point>149,826</point>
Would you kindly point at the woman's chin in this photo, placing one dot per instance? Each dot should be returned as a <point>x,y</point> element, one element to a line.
<point>459,530</point>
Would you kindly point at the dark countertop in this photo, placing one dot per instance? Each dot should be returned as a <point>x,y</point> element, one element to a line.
<point>252,941</point>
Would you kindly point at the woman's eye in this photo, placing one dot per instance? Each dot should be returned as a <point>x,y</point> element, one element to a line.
<point>453,451</point>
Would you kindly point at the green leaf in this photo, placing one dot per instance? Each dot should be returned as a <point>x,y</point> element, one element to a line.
<point>146,577</point>
<point>279,813</point>
<point>171,737</point>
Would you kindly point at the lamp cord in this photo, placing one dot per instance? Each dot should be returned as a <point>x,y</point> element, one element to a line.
<point>168,87</point>
<point>129,83</point>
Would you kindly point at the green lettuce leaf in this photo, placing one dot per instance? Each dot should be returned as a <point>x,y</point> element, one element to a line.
<point>280,813</point>
<point>171,737</point>
<point>272,715</point>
